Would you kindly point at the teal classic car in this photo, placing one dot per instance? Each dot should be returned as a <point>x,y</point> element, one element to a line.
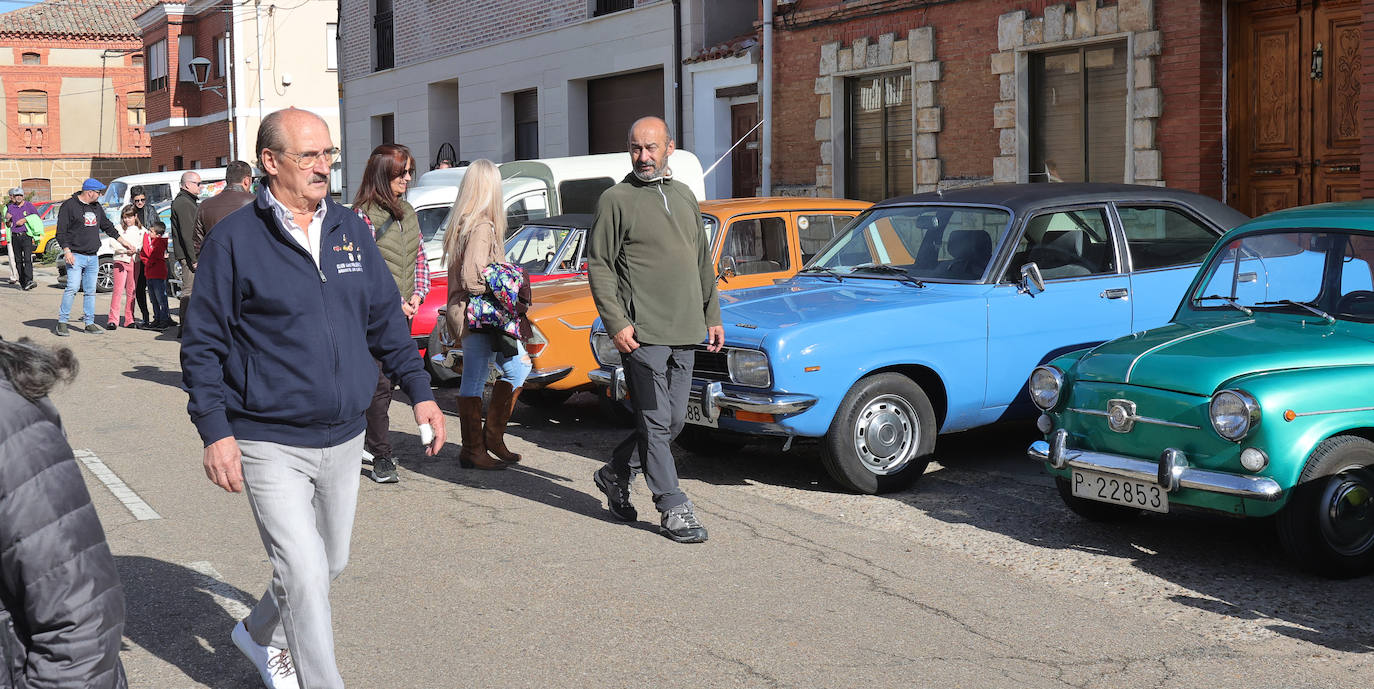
<point>1257,400</point>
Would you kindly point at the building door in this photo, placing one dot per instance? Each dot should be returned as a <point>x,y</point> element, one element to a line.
<point>614,103</point>
<point>744,160</point>
<point>1295,94</point>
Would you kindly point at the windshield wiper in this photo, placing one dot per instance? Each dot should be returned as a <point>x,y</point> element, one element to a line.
<point>1230,301</point>
<point>824,271</point>
<point>1289,302</point>
<point>889,270</point>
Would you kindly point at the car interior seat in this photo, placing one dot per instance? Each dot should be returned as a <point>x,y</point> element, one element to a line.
<point>970,251</point>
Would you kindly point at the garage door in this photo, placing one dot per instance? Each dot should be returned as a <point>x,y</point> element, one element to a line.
<point>614,103</point>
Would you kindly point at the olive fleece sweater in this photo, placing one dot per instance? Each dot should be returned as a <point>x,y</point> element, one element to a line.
<point>649,263</point>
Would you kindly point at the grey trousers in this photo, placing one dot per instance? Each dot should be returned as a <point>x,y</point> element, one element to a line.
<point>188,279</point>
<point>304,500</point>
<point>660,380</point>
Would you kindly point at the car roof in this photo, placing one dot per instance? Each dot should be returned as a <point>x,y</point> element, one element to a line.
<point>1355,215</point>
<point>779,203</point>
<point>1021,198</point>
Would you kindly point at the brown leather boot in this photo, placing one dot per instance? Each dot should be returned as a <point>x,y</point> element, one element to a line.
<point>503,398</point>
<point>474,453</point>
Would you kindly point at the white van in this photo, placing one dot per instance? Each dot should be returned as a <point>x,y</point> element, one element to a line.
<point>160,187</point>
<point>534,189</point>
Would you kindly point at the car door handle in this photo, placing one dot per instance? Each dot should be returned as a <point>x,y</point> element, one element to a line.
<point>1115,293</point>
<point>1247,277</point>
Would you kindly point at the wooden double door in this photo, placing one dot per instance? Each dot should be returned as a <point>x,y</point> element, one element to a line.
<point>1294,104</point>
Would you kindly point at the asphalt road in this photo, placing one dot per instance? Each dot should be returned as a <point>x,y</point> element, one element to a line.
<point>975,577</point>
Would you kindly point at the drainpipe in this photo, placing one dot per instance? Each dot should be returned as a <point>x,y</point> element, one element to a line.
<point>766,96</point>
<point>229,75</point>
<point>257,29</point>
<point>677,74</point>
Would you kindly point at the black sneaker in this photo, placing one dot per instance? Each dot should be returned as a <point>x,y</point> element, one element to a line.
<point>94,329</point>
<point>110,326</point>
<point>681,524</point>
<point>617,496</point>
<point>384,470</point>
<point>30,286</point>
<point>60,330</point>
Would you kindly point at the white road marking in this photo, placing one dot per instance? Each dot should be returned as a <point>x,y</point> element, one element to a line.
<point>126,495</point>
<point>228,597</point>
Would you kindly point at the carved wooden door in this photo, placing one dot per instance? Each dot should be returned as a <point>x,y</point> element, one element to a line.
<point>744,160</point>
<point>1294,113</point>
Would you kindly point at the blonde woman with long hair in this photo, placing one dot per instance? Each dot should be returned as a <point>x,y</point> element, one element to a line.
<point>472,241</point>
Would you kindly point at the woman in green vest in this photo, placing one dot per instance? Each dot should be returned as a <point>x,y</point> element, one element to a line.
<point>381,203</point>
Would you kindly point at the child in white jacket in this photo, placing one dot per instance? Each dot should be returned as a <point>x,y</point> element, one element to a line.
<point>125,271</point>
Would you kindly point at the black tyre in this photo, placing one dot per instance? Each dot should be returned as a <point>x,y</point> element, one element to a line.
<point>440,376</point>
<point>545,398</point>
<point>882,435</point>
<point>1327,527</point>
<point>104,276</point>
<point>175,281</point>
<point>617,412</point>
<point>1093,510</point>
<point>707,442</point>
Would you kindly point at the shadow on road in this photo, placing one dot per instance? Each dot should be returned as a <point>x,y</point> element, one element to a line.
<point>153,374</point>
<point>177,614</point>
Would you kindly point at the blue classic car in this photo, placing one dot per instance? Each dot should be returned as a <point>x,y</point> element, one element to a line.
<point>1254,401</point>
<point>928,312</point>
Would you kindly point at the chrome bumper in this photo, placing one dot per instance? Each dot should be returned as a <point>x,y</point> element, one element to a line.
<point>545,376</point>
<point>713,397</point>
<point>1171,472</point>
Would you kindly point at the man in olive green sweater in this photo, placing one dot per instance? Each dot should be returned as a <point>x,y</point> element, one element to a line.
<point>649,262</point>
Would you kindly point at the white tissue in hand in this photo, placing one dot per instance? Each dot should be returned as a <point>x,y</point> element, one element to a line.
<point>426,434</point>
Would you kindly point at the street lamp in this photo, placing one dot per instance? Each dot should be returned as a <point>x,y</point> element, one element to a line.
<point>200,73</point>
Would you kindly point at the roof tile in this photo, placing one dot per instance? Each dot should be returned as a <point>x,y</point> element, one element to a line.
<point>101,18</point>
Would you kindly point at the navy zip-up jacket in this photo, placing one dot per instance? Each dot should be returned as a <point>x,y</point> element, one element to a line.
<point>281,350</point>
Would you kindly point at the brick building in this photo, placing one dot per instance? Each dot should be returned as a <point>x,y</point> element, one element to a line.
<point>514,79</point>
<point>875,98</point>
<point>71,93</point>
<point>250,74</point>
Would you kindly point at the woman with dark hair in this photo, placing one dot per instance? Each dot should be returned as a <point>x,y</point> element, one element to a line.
<point>381,204</point>
<point>61,603</point>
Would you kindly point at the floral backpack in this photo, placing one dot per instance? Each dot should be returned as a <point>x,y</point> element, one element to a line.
<point>495,310</point>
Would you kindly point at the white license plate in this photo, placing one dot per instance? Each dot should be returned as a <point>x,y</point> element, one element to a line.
<point>1120,491</point>
<point>697,416</point>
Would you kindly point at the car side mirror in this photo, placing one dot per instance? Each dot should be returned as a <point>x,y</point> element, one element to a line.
<point>727,266</point>
<point>1031,278</point>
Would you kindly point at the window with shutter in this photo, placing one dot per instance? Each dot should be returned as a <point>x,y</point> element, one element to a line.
<point>1078,114</point>
<point>33,108</point>
<point>878,157</point>
<point>526,106</point>
<point>134,104</point>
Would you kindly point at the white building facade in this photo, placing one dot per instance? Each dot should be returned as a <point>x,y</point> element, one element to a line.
<point>517,79</point>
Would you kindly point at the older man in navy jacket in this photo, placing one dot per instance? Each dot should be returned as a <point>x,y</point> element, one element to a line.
<point>293,303</point>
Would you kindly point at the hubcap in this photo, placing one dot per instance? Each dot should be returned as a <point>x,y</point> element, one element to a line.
<point>1347,518</point>
<point>105,278</point>
<point>886,434</point>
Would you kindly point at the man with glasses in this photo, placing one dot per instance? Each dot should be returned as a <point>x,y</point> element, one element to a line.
<point>146,215</point>
<point>294,302</point>
<point>184,208</point>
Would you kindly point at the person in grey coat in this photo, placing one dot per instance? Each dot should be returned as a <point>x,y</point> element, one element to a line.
<point>61,603</point>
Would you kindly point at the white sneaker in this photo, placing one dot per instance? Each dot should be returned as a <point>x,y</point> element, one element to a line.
<point>274,664</point>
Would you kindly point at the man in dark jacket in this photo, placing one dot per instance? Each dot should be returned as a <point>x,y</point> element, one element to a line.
<point>238,179</point>
<point>80,220</point>
<point>294,302</point>
<point>61,604</point>
<point>184,208</point>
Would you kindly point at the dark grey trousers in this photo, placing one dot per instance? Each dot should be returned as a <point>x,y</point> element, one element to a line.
<point>659,378</point>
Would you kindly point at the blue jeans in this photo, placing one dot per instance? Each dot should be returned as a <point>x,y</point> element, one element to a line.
<point>80,274</point>
<point>479,352</point>
<point>157,289</point>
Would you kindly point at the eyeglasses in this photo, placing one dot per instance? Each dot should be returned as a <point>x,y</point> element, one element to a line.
<point>194,181</point>
<point>307,160</point>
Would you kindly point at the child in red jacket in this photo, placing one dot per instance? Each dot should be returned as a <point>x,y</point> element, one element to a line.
<point>154,257</point>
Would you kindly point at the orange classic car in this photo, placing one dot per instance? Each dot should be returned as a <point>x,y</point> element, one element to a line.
<point>754,241</point>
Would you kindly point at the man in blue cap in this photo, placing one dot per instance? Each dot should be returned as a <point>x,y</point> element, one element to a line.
<point>80,221</point>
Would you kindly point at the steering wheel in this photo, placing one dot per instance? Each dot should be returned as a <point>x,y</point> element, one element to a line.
<point>1351,300</point>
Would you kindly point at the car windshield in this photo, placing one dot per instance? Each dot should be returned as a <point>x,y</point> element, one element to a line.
<point>941,243</point>
<point>534,247</point>
<point>1317,272</point>
<point>431,219</point>
<point>114,194</point>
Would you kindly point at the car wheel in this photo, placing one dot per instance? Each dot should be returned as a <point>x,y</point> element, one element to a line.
<point>617,412</point>
<point>545,398</point>
<point>104,276</point>
<point>174,284</point>
<point>440,376</point>
<point>882,435</point>
<point>1092,510</point>
<point>1327,526</point>
<point>707,442</point>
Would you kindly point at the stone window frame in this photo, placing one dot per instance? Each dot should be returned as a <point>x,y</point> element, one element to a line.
<point>888,54</point>
<point>1072,26</point>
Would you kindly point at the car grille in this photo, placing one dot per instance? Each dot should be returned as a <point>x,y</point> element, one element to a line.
<point>712,366</point>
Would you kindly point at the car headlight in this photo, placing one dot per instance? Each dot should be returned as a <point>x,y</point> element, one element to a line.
<point>603,348</point>
<point>1045,384</point>
<point>1234,414</point>
<point>749,367</point>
